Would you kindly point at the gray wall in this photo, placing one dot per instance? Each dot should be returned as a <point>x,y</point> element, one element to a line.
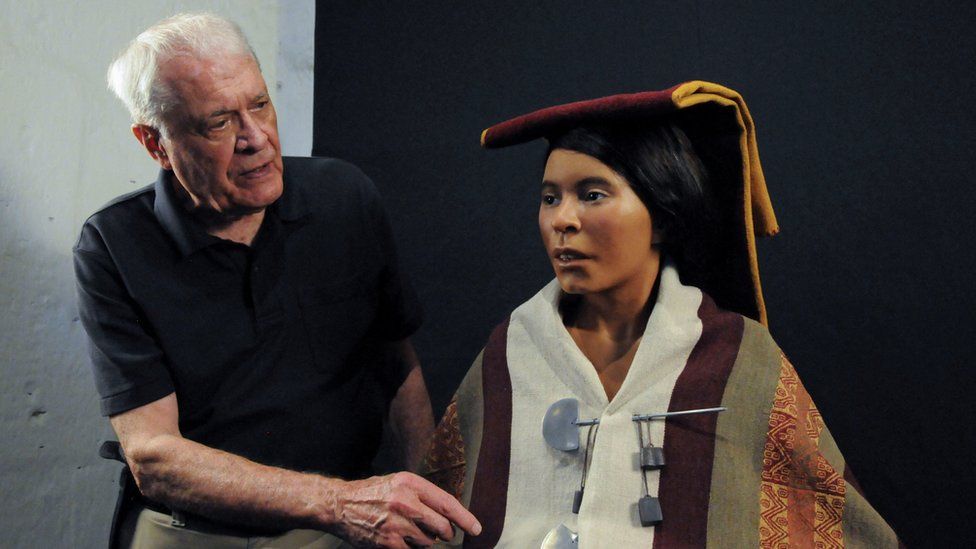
<point>66,150</point>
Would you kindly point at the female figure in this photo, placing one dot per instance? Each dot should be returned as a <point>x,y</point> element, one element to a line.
<point>649,208</point>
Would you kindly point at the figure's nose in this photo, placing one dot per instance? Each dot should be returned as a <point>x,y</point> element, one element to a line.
<point>566,217</point>
<point>251,136</point>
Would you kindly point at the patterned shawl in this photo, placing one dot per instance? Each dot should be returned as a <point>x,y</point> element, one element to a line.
<point>765,473</point>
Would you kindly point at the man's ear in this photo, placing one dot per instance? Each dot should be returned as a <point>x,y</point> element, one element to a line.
<point>149,138</point>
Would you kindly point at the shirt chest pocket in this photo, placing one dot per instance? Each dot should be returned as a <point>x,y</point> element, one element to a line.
<point>338,321</point>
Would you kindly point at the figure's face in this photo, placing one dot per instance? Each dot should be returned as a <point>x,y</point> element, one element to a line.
<point>223,135</point>
<point>596,230</point>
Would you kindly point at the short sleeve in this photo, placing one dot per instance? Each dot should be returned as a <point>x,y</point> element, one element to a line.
<point>127,362</point>
<point>400,314</point>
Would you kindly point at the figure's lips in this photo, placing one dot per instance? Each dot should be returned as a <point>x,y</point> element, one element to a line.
<point>566,256</point>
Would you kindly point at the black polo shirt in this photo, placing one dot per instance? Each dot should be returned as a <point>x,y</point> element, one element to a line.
<point>277,352</point>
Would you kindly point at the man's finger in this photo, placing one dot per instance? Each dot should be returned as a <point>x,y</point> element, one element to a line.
<point>433,522</point>
<point>450,508</point>
<point>413,534</point>
<point>416,543</point>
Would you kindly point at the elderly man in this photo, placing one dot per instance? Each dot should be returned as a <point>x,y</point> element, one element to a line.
<point>248,321</point>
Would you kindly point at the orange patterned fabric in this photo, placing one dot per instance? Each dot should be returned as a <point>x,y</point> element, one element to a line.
<point>801,500</point>
<point>444,464</point>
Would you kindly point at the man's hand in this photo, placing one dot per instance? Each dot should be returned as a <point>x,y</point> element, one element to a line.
<point>397,510</point>
<point>400,510</point>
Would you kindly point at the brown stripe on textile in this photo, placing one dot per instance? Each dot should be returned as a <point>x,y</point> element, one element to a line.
<point>689,441</point>
<point>490,487</point>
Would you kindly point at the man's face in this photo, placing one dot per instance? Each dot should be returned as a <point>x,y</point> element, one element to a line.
<point>222,139</point>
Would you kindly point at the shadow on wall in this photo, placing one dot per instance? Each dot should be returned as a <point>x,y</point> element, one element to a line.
<point>52,478</point>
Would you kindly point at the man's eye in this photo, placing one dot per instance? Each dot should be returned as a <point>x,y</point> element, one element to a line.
<point>591,196</point>
<point>218,125</point>
<point>260,105</point>
<point>548,199</point>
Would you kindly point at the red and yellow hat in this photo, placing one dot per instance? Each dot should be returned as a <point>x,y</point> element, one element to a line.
<point>718,123</point>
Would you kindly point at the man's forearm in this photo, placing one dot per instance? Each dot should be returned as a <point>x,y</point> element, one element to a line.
<point>189,476</point>
<point>386,511</point>
<point>411,417</point>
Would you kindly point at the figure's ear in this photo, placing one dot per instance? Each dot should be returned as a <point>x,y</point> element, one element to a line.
<point>149,138</point>
<point>658,236</point>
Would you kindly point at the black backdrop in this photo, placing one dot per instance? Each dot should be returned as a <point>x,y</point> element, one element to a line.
<point>865,127</point>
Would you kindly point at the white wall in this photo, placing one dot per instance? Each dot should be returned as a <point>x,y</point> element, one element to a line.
<point>296,75</point>
<point>66,149</point>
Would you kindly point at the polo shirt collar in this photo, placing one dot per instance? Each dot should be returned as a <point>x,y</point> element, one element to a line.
<point>188,234</point>
<point>290,206</point>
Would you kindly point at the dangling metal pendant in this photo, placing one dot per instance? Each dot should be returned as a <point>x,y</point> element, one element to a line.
<point>560,537</point>
<point>649,509</point>
<point>652,457</point>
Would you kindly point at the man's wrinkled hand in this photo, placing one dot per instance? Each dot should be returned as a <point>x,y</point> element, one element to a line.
<point>401,510</point>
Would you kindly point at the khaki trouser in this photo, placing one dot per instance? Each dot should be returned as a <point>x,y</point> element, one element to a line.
<point>154,530</point>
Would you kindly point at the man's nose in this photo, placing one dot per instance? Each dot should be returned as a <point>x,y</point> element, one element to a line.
<point>251,136</point>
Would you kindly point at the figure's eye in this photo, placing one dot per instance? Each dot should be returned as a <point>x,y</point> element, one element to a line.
<point>549,199</point>
<point>260,105</point>
<point>593,196</point>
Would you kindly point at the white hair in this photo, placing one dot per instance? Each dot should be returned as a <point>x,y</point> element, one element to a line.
<point>133,75</point>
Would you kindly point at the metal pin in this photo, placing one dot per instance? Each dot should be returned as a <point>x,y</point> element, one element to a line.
<point>648,417</point>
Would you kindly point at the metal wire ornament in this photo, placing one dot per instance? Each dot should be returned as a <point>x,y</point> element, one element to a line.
<point>652,458</point>
<point>560,430</point>
<point>591,433</point>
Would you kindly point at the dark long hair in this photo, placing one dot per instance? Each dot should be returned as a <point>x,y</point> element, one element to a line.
<point>661,166</point>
